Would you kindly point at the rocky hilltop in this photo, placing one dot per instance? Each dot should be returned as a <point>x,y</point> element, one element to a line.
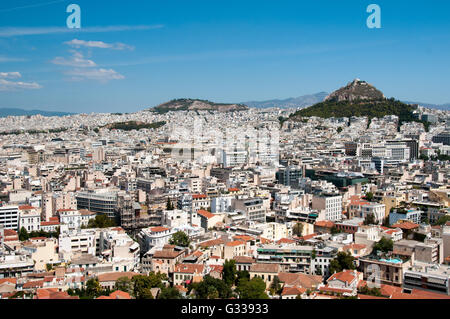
<point>197,105</point>
<point>358,98</point>
<point>354,91</point>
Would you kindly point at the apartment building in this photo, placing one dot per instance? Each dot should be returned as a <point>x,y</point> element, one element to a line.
<point>331,204</point>
<point>9,217</point>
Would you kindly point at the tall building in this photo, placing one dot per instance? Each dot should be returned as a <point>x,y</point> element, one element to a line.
<point>99,201</point>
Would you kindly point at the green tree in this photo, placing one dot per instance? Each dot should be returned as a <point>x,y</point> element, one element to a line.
<point>210,288</point>
<point>443,220</point>
<point>275,286</point>
<point>180,238</point>
<point>384,245</point>
<point>370,219</point>
<point>242,275</point>
<point>169,205</point>
<point>339,129</point>
<point>252,289</point>
<point>229,272</point>
<point>297,230</point>
<point>369,196</point>
<point>124,284</point>
<point>342,261</point>
<point>170,293</point>
<point>142,284</point>
<point>93,288</point>
<point>101,221</point>
<point>23,234</point>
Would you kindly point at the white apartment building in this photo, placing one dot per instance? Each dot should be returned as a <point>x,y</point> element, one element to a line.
<point>116,247</point>
<point>30,218</point>
<point>79,241</point>
<point>175,218</point>
<point>331,204</point>
<point>74,219</point>
<point>9,217</point>
<point>154,237</point>
<point>222,204</point>
<point>378,210</point>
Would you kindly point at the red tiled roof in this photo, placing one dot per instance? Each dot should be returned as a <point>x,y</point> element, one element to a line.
<point>324,223</point>
<point>406,225</point>
<point>293,291</point>
<point>198,196</point>
<point>205,213</point>
<point>159,229</point>
<point>234,243</point>
<point>189,268</point>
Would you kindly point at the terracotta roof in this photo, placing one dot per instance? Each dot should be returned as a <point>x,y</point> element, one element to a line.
<point>345,276</point>
<point>266,268</point>
<point>293,291</point>
<point>53,293</point>
<point>355,246</point>
<point>113,276</point>
<point>324,223</point>
<point>234,243</point>
<point>159,229</point>
<point>166,253</point>
<point>33,284</point>
<point>118,294</point>
<point>8,280</point>
<point>243,237</point>
<point>213,242</point>
<point>244,260</point>
<point>205,213</point>
<point>406,225</point>
<point>197,196</point>
<point>189,268</point>
<point>286,241</point>
<point>26,207</point>
<point>300,279</point>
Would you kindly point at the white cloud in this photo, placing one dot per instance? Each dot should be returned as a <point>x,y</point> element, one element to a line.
<point>8,59</point>
<point>6,85</point>
<point>102,75</point>
<point>77,60</point>
<point>22,31</point>
<point>10,75</point>
<point>98,44</point>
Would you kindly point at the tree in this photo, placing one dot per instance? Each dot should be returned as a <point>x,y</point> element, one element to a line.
<point>334,230</point>
<point>101,221</point>
<point>180,238</point>
<point>275,286</point>
<point>93,288</point>
<point>370,219</point>
<point>170,293</point>
<point>142,284</point>
<point>169,205</point>
<point>369,196</point>
<point>229,272</point>
<point>242,275</point>
<point>443,220</point>
<point>339,129</point>
<point>124,284</point>
<point>342,261</point>
<point>252,289</point>
<point>23,234</point>
<point>383,245</point>
<point>298,229</point>
<point>211,288</point>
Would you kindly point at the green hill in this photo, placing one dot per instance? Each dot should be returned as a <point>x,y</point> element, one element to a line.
<point>341,103</point>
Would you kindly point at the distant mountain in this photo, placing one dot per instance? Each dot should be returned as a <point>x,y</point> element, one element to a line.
<point>357,98</point>
<point>293,102</point>
<point>4,112</point>
<point>196,105</point>
<point>445,107</point>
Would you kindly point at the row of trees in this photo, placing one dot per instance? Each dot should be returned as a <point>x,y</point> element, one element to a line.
<point>25,235</point>
<point>233,284</point>
<point>101,221</point>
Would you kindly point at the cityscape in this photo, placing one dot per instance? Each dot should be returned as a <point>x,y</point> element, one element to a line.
<point>342,194</point>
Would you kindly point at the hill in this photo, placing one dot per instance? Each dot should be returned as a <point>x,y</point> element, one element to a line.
<point>4,112</point>
<point>358,98</point>
<point>296,102</point>
<point>196,105</point>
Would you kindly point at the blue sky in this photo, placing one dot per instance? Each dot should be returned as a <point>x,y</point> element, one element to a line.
<point>133,54</point>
